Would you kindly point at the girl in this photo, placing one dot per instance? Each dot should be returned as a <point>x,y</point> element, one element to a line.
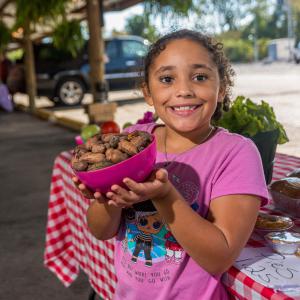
<point>179,231</point>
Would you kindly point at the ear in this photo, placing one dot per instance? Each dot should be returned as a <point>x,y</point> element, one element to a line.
<point>146,94</point>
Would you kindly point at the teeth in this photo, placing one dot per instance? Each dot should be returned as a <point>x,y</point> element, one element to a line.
<point>185,107</point>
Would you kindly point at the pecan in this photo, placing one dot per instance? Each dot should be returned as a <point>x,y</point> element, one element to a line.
<point>92,141</point>
<point>128,147</point>
<point>98,148</point>
<point>99,165</point>
<point>116,155</point>
<point>92,157</point>
<point>114,141</point>
<point>80,165</point>
<point>107,137</point>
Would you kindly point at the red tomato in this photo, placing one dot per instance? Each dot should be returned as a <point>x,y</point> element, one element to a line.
<point>110,127</point>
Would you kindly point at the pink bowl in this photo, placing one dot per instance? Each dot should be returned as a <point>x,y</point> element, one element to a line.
<point>137,167</point>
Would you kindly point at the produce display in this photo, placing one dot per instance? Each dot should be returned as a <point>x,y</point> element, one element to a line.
<point>284,242</point>
<point>103,150</point>
<point>109,127</point>
<point>88,131</point>
<point>289,186</point>
<point>272,223</point>
<point>286,194</point>
<point>248,118</point>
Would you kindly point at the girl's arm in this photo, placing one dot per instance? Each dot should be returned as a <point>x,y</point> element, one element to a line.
<point>214,243</point>
<point>103,220</point>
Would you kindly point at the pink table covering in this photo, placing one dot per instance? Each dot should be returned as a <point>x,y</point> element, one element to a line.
<point>71,247</point>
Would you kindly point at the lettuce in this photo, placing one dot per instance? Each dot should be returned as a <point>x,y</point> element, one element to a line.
<point>248,118</point>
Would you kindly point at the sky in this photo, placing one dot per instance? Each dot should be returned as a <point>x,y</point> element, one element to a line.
<point>117,20</point>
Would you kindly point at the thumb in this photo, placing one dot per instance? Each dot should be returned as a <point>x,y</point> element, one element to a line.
<point>162,175</point>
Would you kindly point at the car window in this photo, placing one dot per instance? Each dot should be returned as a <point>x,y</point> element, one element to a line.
<point>111,50</point>
<point>132,49</point>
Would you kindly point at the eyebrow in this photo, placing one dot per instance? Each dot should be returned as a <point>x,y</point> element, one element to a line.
<point>194,66</point>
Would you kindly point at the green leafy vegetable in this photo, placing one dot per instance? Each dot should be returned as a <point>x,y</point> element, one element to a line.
<point>248,118</point>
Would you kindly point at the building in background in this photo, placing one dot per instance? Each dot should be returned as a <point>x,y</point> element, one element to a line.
<point>281,49</point>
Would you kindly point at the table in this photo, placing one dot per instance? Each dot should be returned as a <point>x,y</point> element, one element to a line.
<point>71,247</point>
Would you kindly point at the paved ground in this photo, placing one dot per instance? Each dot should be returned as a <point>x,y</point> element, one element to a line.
<point>279,85</point>
<point>28,148</point>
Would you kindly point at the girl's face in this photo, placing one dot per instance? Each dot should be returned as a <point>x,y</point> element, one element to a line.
<point>184,86</point>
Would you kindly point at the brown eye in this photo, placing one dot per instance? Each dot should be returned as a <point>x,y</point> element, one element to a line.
<point>200,77</point>
<point>166,79</point>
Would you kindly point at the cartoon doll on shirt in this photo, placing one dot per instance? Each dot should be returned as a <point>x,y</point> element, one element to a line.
<point>148,225</point>
<point>173,249</point>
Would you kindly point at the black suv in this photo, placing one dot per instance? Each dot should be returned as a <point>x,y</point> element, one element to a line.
<point>65,79</point>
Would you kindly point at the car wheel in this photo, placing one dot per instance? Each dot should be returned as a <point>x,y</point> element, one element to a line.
<point>70,91</point>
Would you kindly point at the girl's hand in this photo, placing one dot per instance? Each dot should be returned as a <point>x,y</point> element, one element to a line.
<point>88,193</point>
<point>158,186</point>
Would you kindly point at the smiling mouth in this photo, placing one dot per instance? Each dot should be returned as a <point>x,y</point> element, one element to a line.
<point>185,108</point>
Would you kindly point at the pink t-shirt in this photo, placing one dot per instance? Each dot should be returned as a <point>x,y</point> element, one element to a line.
<point>150,264</point>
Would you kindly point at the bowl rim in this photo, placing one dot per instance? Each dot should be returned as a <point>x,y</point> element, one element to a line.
<point>121,162</point>
<point>268,238</point>
<point>290,223</point>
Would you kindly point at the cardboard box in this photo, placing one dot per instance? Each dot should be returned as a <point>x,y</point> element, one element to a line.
<point>101,112</point>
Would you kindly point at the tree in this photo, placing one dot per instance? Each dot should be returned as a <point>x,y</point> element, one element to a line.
<point>96,51</point>
<point>4,36</point>
<point>31,13</point>
<point>171,12</point>
<point>140,25</point>
<point>67,36</point>
<point>28,14</point>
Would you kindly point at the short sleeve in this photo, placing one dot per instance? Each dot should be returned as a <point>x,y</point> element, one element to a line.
<point>241,172</point>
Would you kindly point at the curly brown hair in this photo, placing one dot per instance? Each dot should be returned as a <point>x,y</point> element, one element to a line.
<point>215,49</point>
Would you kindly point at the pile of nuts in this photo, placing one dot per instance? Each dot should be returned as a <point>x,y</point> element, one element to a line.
<point>103,150</point>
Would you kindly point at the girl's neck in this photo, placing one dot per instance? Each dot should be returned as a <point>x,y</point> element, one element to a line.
<point>171,141</point>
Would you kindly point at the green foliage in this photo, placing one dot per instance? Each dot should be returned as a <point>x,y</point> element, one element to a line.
<point>263,48</point>
<point>173,7</point>
<point>140,25</point>
<point>238,50</point>
<point>15,54</point>
<point>230,34</point>
<point>38,10</point>
<point>68,36</point>
<point>248,118</point>
<point>4,36</point>
<point>228,11</point>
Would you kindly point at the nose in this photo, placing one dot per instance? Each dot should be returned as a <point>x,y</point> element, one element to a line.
<point>184,89</point>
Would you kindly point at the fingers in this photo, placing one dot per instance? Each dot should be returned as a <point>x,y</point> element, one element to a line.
<point>99,198</point>
<point>76,181</point>
<point>83,189</point>
<point>162,175</point>
<point>116,200</point>
<point>121,196</point>
<point>133,186</point>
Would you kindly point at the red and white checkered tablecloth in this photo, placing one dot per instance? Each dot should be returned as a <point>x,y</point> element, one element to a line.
<point>71,247</point>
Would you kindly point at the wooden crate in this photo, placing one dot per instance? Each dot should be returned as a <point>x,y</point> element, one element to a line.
<point>101,112</point>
